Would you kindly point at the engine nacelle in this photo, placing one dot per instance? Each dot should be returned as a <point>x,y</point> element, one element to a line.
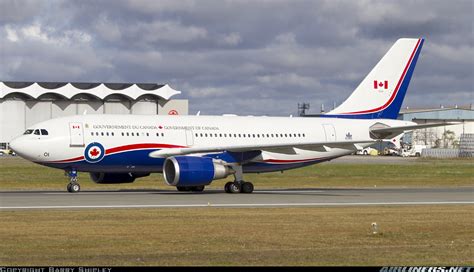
<point>114,178</point>
<point>193,171</point>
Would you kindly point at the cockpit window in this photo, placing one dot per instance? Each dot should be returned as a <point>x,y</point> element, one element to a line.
<point>28,131</point>
<point>44,132</point>
<point>37,132</point>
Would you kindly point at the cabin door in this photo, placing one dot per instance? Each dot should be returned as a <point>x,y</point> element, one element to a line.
<point>189,137</point>
<point>76,133</point>
<point>330,132</point>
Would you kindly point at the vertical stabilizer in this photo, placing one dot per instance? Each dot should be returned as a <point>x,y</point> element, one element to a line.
<point>381,93</point>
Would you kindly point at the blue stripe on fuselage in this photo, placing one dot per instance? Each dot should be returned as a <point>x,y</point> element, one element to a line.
<point>139,161</point>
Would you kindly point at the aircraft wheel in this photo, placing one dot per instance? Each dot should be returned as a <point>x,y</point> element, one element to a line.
<point>182,188</point>
<point>234,188</point>
<point>73,187</point>
<point>226,187</point>
<point>247,188</point>
<point>198,188</point>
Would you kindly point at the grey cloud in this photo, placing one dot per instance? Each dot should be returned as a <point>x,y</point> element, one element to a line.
<point>255,57</point>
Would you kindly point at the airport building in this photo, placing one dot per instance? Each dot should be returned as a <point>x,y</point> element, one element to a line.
<point>23,104</point>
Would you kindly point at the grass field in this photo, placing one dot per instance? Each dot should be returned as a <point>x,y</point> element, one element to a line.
<point>409,235</point>
<point>19,174</point>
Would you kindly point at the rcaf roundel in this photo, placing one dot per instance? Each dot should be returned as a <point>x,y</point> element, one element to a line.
<point>94,152</point>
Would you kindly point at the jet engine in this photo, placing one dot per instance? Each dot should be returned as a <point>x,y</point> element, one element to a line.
<point>114,178</point>
<point>194,171</point>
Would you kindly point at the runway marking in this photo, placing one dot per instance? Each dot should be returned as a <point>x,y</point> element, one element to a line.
<point>236,205</point>
<point>174,192</point>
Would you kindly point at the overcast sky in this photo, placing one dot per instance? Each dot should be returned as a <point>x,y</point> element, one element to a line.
<point>243,57</point>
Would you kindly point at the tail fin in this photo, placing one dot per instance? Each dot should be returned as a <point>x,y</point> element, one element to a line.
<point>381,93</point>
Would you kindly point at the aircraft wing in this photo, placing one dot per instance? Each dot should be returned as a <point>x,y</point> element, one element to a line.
<point>390,132</point>
<point>277,148</point>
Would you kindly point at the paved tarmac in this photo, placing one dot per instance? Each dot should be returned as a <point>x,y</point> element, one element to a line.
<point>218,198</point>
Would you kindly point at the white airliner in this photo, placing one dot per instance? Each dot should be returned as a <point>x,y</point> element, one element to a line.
<point>192,151</point>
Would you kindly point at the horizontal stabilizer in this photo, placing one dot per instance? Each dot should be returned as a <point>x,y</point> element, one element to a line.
<point>390,132</point>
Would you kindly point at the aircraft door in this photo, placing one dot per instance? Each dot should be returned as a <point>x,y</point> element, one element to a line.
<point>189,137</point>
<point>76,133</point>
<point>330,132</point>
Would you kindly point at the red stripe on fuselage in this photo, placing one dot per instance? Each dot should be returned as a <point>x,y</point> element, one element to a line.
<point>396,89</point>
<point>69,160</point>
<point>124,148</point>
<point>139,146</point>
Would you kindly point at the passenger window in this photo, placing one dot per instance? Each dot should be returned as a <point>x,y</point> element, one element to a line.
<point>162,135</point>
<point>92,133</point>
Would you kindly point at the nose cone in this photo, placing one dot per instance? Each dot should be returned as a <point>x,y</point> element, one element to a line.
<point>13,145</point>
<point>18,146</point>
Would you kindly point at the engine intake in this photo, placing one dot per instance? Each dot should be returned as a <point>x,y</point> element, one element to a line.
<point>193,171</point>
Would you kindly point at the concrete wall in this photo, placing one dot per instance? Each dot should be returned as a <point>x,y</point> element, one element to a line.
<point>12,119</point>
<point>173,107</point>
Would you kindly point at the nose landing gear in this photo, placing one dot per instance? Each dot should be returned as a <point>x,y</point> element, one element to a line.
<point>73,186</point>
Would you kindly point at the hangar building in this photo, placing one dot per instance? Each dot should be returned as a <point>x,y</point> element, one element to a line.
<point>23,104</point>
<point>439,136</point>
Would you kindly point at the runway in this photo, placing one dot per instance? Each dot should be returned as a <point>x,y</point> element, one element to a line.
<point>217,198</point>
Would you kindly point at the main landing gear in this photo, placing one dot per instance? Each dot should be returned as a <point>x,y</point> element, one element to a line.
<point>73,186</point>
<point>239,185</point>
